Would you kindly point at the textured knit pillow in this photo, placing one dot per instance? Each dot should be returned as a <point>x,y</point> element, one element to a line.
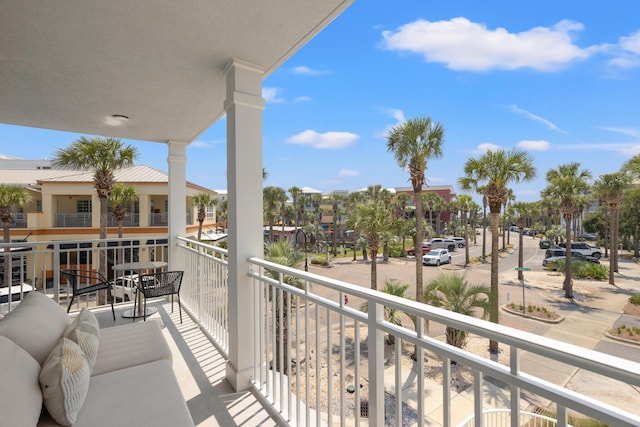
<point>85,331</point>
<point>64,381</point>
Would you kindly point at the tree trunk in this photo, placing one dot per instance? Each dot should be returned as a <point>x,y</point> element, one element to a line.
<point>466,240</point>
<point>102,268</point>
<point>374,269</point>
<point>568,279</point>
<point>494,299</point>
<point>484,233</point>
<point>417,192</point>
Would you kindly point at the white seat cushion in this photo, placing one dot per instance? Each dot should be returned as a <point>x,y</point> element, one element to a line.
<point>144,395</point>
<point>20,395</point>
<point>130,345</point>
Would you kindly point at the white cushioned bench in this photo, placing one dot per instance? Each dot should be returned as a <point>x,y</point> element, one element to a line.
<point>59,372</point>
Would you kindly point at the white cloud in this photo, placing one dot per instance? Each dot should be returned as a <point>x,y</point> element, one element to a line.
<point>536,118</point>
<point>348,172</point>
<point>303,99</point>
<point>200,144</point>
<point>398,115</point>
<point>271,95</point>
<point>534,145</point>
<point>307,71</point>
<point>627,52</point>
<point>465,45</point>
<point>634,133</point>
<point>631,151</point>
<point>327,140</point>
<point>487,146</point>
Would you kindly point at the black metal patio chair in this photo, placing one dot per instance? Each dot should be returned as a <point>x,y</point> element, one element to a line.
<point>160,284</point>
<point>85,282</point>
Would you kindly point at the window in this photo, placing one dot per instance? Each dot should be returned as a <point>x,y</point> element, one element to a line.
<point>38,205</point>
<point>83,206</point>
<point>210,211</point>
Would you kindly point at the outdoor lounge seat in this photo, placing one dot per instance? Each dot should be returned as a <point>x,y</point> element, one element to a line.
<point>160,284</point>
<point>85,282</point>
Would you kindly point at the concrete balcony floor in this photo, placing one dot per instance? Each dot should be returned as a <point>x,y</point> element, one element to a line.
<point>200,370</point>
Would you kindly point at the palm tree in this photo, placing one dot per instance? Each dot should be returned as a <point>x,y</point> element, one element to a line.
<point>433,202</point>
<point>565,184</point>
<point>119,199</point>
<point>336,201</point>
<point>371,220</point>
<point>103,156</point>
<point>505,227</point>
<point>11,196</point>
<point>296,194</point>
<point>452,292</point>
<point>202,201</point>
<point>285,253</point>
<point>391,314</point>
<point>495,170</point>
<point>316,202</point>
<point>522,212</point>
<point>413,143</point>
<point>611,188</point>
<point>465,201</point>
<point>272,198</point>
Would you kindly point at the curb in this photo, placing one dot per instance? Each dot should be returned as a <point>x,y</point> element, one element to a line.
<point>526,316</point>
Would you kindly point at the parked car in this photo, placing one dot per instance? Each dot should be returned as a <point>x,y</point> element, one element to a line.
<point>441,243</point>
<point>585,249</point>
<point>552,264</point>
<point>462,242</point>
<point>544,244</point>
<point>124,288</point>
<point>425,248</point>
<point>436,257</point>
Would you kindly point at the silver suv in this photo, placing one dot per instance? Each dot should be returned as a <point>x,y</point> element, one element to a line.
<point>441,243</point>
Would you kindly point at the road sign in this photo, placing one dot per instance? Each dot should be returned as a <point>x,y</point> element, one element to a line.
<point>523,269</point>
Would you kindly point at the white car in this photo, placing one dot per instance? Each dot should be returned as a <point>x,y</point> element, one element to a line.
<point>436,257</point>
<point>460,241</point>
<point>124,288</point>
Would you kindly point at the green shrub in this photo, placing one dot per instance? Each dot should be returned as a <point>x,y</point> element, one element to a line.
<point>396,251</point>
<point>585,269</point>
<point>319,261</point>
<point>635,300</point>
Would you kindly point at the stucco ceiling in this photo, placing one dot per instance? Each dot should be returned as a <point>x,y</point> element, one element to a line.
<point>70,65</point>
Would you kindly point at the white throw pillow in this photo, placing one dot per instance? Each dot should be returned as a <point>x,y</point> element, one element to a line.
<point>36,325</point>
<point>85,331</point>
<point>64,381</point>
<point>20,395</point>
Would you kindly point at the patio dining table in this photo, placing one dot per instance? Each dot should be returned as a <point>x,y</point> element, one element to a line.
<point>139,267</point>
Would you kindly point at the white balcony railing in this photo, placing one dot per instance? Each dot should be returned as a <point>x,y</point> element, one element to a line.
<point>73,220</point>
<point>37,265</point>
<point>502,418</point>
<point>320,361</point>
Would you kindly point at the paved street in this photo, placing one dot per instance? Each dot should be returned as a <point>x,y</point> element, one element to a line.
<point>597,307</point>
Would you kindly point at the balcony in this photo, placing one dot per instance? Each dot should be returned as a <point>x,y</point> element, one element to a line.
<point>73,220</point>
<point>306,332</point>
<point>130,220</point>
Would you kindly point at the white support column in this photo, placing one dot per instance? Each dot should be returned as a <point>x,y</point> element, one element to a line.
<point>177,162</point>
<point>244,105</point>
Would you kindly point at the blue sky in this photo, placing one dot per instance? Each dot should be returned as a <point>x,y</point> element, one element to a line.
<point>558,79</point>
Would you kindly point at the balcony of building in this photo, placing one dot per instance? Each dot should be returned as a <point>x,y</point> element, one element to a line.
<point>316,360</point>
